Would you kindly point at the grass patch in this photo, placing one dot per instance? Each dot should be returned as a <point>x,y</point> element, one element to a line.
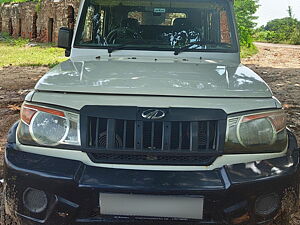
<point>19,52</point>
<point>14,1</point>
<point>248,51</point>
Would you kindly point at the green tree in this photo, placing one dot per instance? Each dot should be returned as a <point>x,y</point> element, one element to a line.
<point>295,37</point>
<point>245,10</point>
<point>284,28</point>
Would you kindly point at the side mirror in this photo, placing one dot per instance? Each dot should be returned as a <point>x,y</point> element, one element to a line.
<point>65,39</point>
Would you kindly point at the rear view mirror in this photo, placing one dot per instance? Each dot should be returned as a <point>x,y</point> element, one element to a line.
<point>65,39</point>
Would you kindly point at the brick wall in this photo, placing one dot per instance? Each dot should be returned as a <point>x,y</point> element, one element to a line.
<point>38,22</point>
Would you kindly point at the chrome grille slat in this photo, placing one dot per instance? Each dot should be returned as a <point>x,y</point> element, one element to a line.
<point>97,131</point>
<point>124,133</point>
<point>180,136</point>
<point>166,136</point>
<point>110,133</point>
<point>138,135</point>
<point>207,134</point>
<point>152,135</point>
<point>194,142</point>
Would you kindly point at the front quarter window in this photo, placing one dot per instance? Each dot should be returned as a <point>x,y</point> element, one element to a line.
<point>191,25</point>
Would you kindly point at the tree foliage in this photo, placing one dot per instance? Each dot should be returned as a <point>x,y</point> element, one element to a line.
<point>295,37</point>
<point>245,10</point>
<point>285,30</point>
<point>284,27</point>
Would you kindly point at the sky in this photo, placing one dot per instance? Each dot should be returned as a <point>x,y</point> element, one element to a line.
<point>273,9</point>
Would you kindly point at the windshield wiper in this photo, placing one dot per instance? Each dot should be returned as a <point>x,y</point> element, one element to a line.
<point>188,46</point>
<point>110,49</point>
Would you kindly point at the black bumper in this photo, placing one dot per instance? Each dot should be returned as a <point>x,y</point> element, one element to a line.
<point>73,188</point>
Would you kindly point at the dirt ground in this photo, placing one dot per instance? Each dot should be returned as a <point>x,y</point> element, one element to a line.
<point>15,83</point>
<point>278,65</point>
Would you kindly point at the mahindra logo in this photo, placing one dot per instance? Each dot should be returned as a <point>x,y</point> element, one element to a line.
<point>153,114</point>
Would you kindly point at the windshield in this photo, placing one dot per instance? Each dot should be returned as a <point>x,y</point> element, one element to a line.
<point>180,25</point>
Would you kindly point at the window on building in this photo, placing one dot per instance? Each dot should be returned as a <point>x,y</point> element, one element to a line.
<point>0,24</point>
<point>50,29</point>
<point>10,27</point>
<point>34,26</point>
<point>71,17</point>
<point>20,28</point>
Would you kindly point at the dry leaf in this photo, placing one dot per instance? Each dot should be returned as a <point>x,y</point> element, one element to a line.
<point>287,106</point>
<point>14,107</point>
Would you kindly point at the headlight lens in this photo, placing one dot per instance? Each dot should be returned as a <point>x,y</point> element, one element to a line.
<point>48,129</point>
<point>47,126</point>
<point>258,133</point>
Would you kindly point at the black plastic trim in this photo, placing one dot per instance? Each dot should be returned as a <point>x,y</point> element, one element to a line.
<point>12,133</point>
<point>150,95</point>
<point>71,183</point>
<point>135,113</point>
<point>293,145</point>
<point>140,155</point>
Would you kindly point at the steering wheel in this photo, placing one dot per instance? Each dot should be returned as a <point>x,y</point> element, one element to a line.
<point>123,33</point>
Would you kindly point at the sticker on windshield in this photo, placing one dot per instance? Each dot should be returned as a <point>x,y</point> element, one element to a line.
<point>159,10</point>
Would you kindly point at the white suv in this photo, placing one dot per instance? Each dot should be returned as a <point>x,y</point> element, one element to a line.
<point>152,120</point>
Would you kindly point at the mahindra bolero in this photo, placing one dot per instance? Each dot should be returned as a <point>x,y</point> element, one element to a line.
<point>152,120</point>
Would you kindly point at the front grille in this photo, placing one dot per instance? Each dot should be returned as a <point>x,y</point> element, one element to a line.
<point>127,134</point>
<point>178,139</point>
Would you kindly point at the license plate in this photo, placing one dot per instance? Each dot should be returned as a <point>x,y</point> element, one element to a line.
<point>182,207</point>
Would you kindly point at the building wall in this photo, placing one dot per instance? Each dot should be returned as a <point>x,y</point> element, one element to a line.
<point>38,22</point>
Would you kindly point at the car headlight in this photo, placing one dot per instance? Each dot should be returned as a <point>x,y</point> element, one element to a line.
<point>47,126</point>
<point>259,133</point>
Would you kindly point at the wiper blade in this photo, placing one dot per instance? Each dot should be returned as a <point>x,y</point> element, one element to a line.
<point>188,46</point>
<point>110,49</point>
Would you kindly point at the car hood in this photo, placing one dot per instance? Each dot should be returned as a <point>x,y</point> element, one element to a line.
<point>162,77</point>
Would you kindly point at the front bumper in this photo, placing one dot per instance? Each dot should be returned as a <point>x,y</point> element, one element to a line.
<point>73,188</point>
